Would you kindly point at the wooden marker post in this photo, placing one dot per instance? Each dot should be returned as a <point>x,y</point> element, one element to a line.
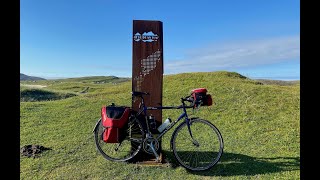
<point>147,68</point>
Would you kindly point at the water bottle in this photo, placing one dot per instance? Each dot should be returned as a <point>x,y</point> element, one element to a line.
<point>152,122</point>
<point>165,124</point>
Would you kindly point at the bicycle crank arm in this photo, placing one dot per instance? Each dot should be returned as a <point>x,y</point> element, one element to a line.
<point>154,152</point>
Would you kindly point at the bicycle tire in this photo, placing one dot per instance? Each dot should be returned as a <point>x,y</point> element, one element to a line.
<point>188,156</point>
<point>129,147</point>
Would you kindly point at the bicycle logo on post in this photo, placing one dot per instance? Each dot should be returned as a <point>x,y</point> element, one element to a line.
<point>145,37</point>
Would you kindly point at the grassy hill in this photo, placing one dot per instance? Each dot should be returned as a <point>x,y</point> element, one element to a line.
<point>260,124</point>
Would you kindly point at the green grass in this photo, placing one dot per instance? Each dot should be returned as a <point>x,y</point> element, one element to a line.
<point>260,125</point>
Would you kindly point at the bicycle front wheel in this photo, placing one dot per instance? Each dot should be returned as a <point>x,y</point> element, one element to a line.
<point>201,152</point>
<point>125,150</point>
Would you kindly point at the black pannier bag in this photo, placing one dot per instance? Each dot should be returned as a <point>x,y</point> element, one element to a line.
<point>201,97</point>
<point>114,119</point>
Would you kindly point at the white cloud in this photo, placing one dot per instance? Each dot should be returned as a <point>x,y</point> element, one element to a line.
<point>237,55</point>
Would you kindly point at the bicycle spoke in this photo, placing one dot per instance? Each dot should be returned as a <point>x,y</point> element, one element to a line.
<point>202,159</point>
<point>189,159</point>
<point>207,156</point>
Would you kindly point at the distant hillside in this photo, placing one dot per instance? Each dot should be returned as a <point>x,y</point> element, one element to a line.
<point>277,82</point>
<point>96,79</point>
<point>24,77</point>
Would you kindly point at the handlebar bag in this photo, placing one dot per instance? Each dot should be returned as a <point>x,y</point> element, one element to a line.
<point>114,119</point>
<point>201,97</point>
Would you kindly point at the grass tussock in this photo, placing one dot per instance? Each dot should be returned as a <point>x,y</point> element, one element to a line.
<point>31,95</point>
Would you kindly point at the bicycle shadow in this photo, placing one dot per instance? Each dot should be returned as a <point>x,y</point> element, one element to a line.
<point>232,164</point>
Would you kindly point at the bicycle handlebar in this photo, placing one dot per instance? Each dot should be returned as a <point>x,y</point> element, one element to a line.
<point>137,93</point>
<point>188,98</point>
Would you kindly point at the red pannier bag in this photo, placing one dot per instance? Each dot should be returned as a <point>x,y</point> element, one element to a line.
<point>114,119</point>
<point>201,97</point>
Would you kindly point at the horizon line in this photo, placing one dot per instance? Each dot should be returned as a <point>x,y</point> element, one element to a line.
<point>282,78</point>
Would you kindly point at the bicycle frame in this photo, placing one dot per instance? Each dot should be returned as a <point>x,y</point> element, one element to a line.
<point>144,108</point>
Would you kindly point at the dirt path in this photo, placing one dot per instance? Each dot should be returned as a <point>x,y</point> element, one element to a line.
<point>33,86</point>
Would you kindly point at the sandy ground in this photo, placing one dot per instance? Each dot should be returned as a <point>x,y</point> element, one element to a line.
<point>33,86</point>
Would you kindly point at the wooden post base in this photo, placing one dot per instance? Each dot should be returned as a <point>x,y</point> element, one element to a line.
<point>147,161</point>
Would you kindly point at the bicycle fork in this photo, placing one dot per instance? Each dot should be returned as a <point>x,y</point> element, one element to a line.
<point>195,142</point>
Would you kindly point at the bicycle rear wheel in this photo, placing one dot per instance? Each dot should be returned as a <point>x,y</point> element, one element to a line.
<point>125,150</point>
<point>202,153</point>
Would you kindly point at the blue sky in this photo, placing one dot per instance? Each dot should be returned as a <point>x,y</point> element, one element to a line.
<point>74,38</point>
